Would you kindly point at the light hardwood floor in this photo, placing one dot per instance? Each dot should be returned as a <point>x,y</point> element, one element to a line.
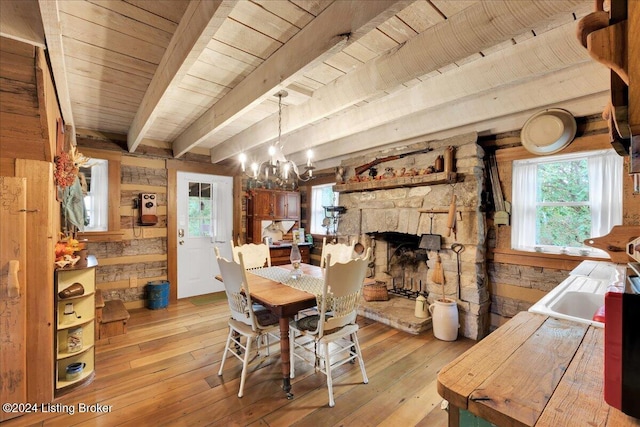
<point>164,372</point>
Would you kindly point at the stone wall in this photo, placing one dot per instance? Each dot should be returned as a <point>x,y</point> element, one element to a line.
<point>399,210</point>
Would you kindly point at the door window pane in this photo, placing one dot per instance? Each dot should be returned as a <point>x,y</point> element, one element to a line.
<point>201,221</point>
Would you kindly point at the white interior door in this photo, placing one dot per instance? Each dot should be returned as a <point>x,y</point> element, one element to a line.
<point>204,222</point>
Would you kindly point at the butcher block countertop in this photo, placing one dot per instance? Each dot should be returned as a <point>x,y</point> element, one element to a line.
<point>533,371</point>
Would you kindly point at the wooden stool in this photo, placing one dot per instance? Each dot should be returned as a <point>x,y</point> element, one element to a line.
<point>113,319</point>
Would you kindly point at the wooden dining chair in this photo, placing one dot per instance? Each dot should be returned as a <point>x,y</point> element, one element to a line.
<point>329,339</point>
<point>249,321</point>
<point>255,255</point>
<point>340,252</point>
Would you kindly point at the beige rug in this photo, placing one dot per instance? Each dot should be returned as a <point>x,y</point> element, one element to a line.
<point>208,298</point>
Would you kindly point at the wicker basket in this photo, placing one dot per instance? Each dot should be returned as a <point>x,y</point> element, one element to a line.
<point>376,292</point>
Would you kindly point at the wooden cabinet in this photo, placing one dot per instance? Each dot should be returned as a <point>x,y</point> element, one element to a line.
<point>75,326</point>
<point>288,205</point>
<point>280,255</point>
<point>270,205</point>
<point>263,204</point>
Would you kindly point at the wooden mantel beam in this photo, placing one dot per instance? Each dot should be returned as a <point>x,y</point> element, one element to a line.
<point>199,23</point>
<point>341,23</point>
<point>476,28</point>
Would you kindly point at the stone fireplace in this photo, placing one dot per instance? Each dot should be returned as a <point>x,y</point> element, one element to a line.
<point>392,213</point>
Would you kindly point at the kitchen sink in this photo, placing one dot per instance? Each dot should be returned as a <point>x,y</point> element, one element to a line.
<point>576,298</point>
<point>582,305</point>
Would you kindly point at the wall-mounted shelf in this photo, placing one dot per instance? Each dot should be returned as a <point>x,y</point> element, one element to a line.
<point>402,181</point>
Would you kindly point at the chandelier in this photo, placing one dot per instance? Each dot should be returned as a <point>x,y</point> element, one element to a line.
<point>277,171</point>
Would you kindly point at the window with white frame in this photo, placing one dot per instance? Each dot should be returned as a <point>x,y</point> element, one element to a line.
<point>559,201</point>
<point>96,195</point>
<point>321,195</point>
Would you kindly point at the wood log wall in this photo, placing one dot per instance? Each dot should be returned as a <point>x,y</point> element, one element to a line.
<point>28,132</point>
<point>126,265</point>
<point>518,280</point>
<point>26,93</point>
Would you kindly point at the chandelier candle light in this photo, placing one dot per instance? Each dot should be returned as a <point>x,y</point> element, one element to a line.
<point>277,172</point>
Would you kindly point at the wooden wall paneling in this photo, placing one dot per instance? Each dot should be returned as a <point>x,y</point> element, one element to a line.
<point>20,136</point>
<point>633,64</point>
<point>20,130</point>
<point>42,234</point>
<point>19,97</point>
<point>17,47</point>
<point>172,229</point>
<point>13,293</point>
<point>47,105</point>
<point>17,67</point>
<point>7,167</point>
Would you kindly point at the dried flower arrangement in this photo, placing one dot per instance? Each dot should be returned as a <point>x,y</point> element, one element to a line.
<point>68,167</point>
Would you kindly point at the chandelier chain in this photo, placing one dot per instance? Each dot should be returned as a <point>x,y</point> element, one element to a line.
<point>280,120</point>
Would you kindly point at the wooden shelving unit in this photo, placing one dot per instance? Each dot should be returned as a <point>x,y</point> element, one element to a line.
<point>403,181</point>
<point>82,321</point>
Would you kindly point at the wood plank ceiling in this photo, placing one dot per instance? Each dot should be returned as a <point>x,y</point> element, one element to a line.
<point>360,74</point>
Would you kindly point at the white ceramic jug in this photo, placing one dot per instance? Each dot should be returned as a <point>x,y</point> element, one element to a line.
<point>444,318</point>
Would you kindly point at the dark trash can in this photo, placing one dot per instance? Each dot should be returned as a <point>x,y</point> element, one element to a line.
<point>157,294</point>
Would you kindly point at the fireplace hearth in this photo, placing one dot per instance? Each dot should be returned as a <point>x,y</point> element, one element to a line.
<point>392,220</point>
<point>404,257</point>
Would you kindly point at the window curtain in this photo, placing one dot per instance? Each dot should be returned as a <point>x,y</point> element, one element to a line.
<point>216,220</point>
<point>317,211</point>
<point>523,207</point>
<point>99,196</point>
<point>605,192</point>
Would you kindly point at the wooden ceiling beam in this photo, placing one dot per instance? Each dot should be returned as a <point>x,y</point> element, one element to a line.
<point>474,29</point>
<point>340,24</point>
<point>587,95</point>
<point>524,61</point>
<point>199,23</point>
<point>53,34</point>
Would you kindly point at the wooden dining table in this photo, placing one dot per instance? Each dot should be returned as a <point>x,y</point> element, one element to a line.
<point>285,302</point>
